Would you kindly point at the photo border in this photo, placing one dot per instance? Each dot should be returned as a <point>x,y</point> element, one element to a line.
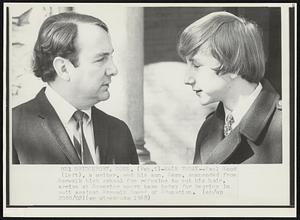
<point>292,168</point>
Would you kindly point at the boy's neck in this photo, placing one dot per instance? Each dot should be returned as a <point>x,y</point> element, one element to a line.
<point>239,89</point>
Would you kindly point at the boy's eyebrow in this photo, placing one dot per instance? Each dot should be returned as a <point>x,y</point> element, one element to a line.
<point>191,59</point>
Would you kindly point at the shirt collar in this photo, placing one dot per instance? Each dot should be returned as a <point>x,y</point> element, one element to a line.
<point>63,108</point>
<point>89,113</point>
<point>243,106</point>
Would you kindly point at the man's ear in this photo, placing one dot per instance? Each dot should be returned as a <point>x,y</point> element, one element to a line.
<point>61,67</point>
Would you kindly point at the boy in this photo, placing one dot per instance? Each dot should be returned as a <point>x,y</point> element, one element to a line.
<point>226,63</point>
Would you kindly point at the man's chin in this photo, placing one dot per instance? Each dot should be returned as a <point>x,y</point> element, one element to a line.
<point>104,96</point>
<point>101,97</point>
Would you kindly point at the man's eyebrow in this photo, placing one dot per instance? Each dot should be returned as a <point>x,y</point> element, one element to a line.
<point>101,54</point>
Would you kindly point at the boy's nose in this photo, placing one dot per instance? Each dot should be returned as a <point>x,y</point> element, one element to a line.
<point>189,80</point>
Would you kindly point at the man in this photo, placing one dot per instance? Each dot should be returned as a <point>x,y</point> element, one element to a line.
<point>73,54</point>
<point>226,65</point>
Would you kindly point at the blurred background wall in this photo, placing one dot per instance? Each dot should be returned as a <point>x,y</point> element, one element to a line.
<point>163,114</point>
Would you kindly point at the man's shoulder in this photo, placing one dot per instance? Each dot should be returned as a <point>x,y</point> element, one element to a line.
<point>29,106</point>
<point>25,112</point>
<point>107,118</point>
<point>32,105</point>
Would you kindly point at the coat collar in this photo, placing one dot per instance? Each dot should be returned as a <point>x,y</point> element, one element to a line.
<point>251,125</point>
<point>259,113</point>
<point>55,128</point>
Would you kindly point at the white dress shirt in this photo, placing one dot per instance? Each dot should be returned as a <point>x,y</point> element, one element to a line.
<point>65,112</point>
<point>243,106</point>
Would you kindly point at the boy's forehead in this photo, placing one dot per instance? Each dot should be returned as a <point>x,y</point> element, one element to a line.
<point>204,57</point>
<point>203,50</point>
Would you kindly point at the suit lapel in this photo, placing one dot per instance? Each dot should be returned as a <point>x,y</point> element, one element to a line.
<point>101,132</point>
<point>55,128</point>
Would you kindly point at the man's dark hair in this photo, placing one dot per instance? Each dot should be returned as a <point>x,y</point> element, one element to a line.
<point>57,38</point>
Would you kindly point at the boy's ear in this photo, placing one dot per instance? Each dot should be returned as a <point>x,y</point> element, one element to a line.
<point>233,75</point>
<point>229,76</point>
<point>61,67</point>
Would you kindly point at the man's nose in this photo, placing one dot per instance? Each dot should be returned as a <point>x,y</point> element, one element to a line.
<point>111,70</point>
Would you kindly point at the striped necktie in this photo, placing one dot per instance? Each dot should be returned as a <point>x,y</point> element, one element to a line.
<point>79,139</point>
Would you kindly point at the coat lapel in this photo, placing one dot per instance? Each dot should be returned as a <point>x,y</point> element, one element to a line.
<point>101,132</point>
<point>220,148</point>
<point>225,148</point>
<point>55,128</point>
<point>213,133</point>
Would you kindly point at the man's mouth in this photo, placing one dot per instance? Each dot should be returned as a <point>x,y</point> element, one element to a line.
<point>106,85</point>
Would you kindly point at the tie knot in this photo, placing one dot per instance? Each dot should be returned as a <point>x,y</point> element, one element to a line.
<point>229,119</point>
<point>78,115</point>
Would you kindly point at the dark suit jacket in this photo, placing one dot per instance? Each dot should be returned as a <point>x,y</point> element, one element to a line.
<point>39,137</point>
<point>257,139</point>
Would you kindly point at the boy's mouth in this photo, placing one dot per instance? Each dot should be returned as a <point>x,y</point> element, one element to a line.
<point>198,91</point>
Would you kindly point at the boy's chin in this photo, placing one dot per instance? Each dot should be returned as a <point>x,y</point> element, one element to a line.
<point>206,100</point>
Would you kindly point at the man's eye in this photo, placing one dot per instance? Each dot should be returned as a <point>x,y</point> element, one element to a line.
<point>100,59</point>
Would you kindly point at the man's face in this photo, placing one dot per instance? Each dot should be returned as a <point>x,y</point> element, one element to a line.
<point>91,78</point>
<point>203,79</point>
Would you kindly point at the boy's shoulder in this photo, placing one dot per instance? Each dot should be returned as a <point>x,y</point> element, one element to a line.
<point>279,105</point>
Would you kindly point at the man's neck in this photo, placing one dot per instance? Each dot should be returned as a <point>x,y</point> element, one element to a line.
<point>67,95</point>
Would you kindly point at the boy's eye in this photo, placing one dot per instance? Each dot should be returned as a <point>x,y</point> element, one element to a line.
<point>196,65</point>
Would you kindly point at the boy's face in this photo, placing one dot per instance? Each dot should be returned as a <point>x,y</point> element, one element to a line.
<point>202,77</point>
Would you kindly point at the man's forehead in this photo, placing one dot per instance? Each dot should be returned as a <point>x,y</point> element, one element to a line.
<point>94,39</point>
<point>88,32</point>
